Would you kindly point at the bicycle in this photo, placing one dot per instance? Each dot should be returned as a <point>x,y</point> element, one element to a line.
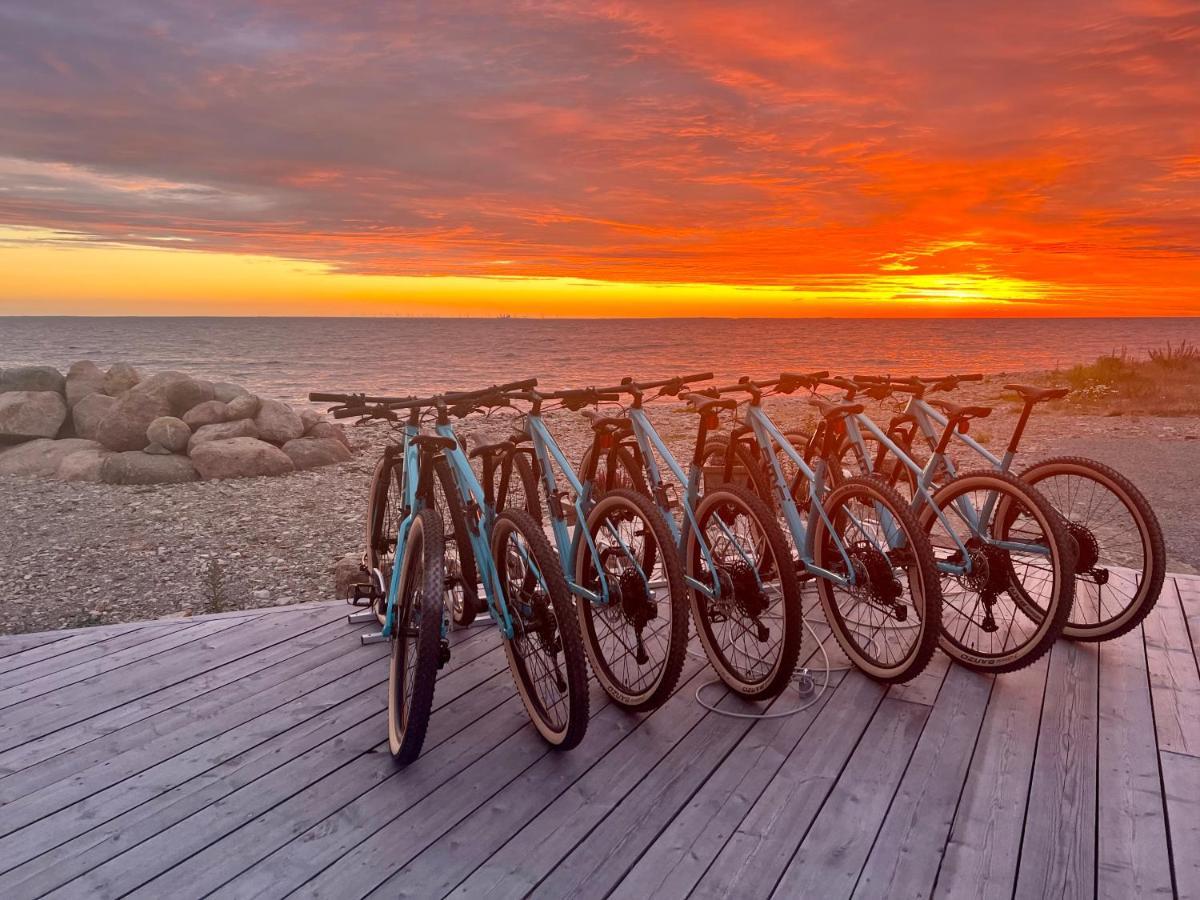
<point>524,590</point>
<point>1118,538</point>
<point>616,553</point>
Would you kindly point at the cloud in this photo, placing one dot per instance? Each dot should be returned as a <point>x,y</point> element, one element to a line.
<point>674,142</point>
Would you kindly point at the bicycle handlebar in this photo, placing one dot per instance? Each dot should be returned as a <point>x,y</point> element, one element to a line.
<point>410,401</point>
<point>677,384</point>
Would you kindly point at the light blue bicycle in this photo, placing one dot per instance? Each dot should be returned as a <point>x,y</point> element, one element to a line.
<point>523,584</point>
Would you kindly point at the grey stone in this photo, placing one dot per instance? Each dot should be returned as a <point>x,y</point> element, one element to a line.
<point>330,430</point>
<point>226,392</point>
<point>239,458</point>
<point>210,412</point>
<point>83,379</point>
<point>223,431</point>
<point>243,407</point>
<point>347,572</point>
<point>169,432</point>
<point>41,457</point>
<point>182,391</point>
<point>32,378</point>
<point>277,422</point>
<point>89,412</point>
<point>309,453</point>
<point>124,427</point>
<point>310,417</point>
<point>119,378</point>
<point>30,414</point>
<point>82,465</point>
<point>136,467</point>
<point>157,450</point>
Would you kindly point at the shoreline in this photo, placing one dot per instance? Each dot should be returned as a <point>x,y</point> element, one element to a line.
<point>89,554</point>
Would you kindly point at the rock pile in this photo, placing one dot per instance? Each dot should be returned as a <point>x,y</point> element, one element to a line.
<point>117,427</point>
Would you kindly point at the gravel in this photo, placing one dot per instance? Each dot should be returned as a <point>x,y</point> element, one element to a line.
<point>78,554</point>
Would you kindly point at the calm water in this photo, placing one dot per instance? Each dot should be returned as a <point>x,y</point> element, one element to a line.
<point>286,358</point>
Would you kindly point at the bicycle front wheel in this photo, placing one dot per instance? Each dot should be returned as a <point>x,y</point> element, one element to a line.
<point>887,617</point>
<point>385,503</point>
<point>750,625</point>
<point>416,637</point>
<point>1121,562</point>
<point>1006,566</point>
<point>545,653</point>
<point>636,641</point>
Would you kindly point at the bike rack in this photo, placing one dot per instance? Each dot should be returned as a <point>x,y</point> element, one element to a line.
<point>377,637</point>
<point>359,618</point>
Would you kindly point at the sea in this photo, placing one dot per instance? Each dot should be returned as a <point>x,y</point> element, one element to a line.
<point>289,357</point>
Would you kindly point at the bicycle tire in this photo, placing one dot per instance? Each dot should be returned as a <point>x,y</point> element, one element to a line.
<point>626,607</point>
<point>776,678</point>
<point>516,465</point>
<point>757,480</point>
<point>894,473</point>
<point>617,468</point>
<point>381,525</point>
<point>462,579</point>
<point>1154,554</point>
<point>1048,619</point>
<point>568,733</point>
<point>923,575</point>
<point>420,591</point>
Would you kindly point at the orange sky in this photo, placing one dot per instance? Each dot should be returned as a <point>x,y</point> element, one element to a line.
<point>572,158</point>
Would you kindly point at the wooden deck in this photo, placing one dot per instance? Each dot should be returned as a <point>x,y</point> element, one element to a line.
<point>241,755</point>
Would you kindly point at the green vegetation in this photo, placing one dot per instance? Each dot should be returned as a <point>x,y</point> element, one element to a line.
<point>1166,382</point>
<point>215,599</point>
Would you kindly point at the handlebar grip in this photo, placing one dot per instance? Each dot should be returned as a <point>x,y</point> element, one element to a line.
<point>350,412</point>
<point>978,376</point>
<point>869,379</point>
<point>527,384</point>
<point>699,376</point>
<point>328,398</point>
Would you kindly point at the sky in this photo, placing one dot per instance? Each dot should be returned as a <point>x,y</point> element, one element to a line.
<point>594,158</point>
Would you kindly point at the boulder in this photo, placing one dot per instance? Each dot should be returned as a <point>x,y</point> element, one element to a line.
<point>210,412</point>
<point>170,433</point>
<point>124,427</point>
<point>84,378</point>
<point>156,449</point>
<point>347,572</point>
<point>181,391</point>
<point>119,378</point>
<point>277,422</point>
<point>89,412</point>
<point>41,457</point>
<point>310,417</point>
<point>308,452</point>
<point>243,407</point>
<point>330,430</point>
<point>30,414</point>
<point>83,465</point>
<point>239,458</point>
<point>32,378</point>
<point>227,393</point>
<point>222,432</point>
<point>136,467</point>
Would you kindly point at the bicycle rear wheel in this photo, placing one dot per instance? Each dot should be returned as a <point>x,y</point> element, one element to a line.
<point>1121,564</point>
<point>462,582</point>
<point>750,631</point>
<point>416,638</point>
<point>546,653</point>
<point>385,502</point>
<point>616,468</point>
<point>888,618</point>
<point>747,471</point>
<point>1006,567</point>
<point>637,640</point>
<point>516,485</point>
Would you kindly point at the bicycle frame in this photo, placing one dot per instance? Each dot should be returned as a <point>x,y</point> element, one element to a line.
<point>412,504</point>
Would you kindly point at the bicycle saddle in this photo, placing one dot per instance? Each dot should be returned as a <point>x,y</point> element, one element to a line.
<point>486,450</point>
<point>833,411</point>
<point>954,411</point>
<point>1033,394</point>
<point>702,403</point>
<point>601,422</point>
<point>902,419</point>
<point>434,441</point>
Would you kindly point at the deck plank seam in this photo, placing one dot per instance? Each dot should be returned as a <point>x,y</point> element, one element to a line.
<point>1162,781</point>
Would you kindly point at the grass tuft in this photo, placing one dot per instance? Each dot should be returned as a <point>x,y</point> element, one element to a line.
<point>215,598</point>
<point>1166,382</point>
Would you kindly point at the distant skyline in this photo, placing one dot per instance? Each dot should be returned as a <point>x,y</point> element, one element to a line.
<point>606,158</point>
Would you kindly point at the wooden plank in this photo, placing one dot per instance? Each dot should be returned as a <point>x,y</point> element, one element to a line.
<point>175,826</point>
<point>19,643</point>
<point>906,855</point>
<point>264,817</point>
<point>756,853</point>
<point>1187,589</point>
<point>62,810</point>
<point>1131,850</point>
<point>1181,778</point>
<point>828,860</point>
<point>924,688</point>
<point>235,668</point>
<point>75,658</point>
<point>985,839</point>
<point>679,857</point>
<point>446,861</point>
<point>284,847</point>
<point>1174,677</point>
<point>72,643</point>
<point>107,689</point>
<point>1058,849</point>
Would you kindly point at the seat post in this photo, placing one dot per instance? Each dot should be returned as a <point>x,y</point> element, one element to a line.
<point>1019,428</point>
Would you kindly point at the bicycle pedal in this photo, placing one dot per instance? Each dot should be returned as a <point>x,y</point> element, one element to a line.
<point>360,618</point>
<point>377,637</point>
<point>443,653</point>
